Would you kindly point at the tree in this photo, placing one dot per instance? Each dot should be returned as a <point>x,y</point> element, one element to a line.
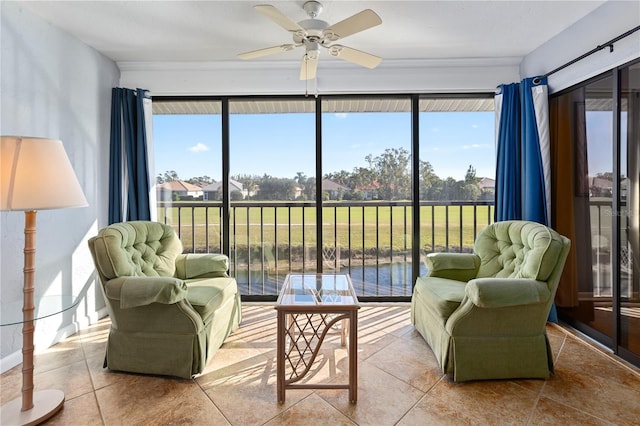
<point>307,185</point>
<point>430,183</point>
<point>470,191</point>
<point>249,182</point>
<point>200,181</point>
<point>168,176</point>
<point>470,177</point>
<point>392,169</point>
<point>272,188</point>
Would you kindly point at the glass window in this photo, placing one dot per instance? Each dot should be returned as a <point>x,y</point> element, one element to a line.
<point>366,188</point>
<point>187,143</point>
<point>272,190</point>
<point>457,171</point>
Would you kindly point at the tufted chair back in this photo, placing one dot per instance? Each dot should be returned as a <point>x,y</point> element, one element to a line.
<point>518,249</point>
<point>136,248</point>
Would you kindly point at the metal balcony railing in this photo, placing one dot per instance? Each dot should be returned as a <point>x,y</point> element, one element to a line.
<point>370,240</point>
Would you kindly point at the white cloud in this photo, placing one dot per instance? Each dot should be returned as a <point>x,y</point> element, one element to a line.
<point>474,126</point>
<point>199,147</point>
<point>341,115</point>
<point>474,146</point>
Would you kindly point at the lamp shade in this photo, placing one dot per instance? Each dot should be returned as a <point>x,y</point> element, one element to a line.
<point>35,174</point>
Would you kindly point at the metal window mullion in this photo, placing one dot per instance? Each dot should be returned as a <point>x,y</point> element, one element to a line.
<point>363,251</point>
<point>377,250</point>
<point>460,221</point>
<point>193,229</point>
<point>262,246</point>
<point>275,247</point>
<point>206,229</point>
<point>248,209</point>
<point>304,251</point>
<point>319,205</point>
<point>289,227</point>
<point>415,187</point>
<point>615,225</point>
<point>179,222</point>
<point>446,227</point>
<point>390,248</point>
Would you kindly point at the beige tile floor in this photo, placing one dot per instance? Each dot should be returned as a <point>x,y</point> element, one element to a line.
<point>399,383</point>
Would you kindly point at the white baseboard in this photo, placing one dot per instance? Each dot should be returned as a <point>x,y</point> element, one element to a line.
<point>15,358</point>
<point>10,361</point>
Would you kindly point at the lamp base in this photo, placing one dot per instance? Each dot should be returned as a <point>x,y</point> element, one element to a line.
<point>46,403</point>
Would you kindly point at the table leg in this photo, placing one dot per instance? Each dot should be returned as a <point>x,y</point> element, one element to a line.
<point>353,356</point>
<point>280,354</point>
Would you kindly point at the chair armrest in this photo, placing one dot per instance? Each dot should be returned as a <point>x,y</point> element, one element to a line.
<point>202,265</point>
<point>453,266</point>
<point>503,292</point>
<point>141,291</point>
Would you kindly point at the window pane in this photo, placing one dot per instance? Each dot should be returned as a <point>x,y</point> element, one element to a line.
<point>457,171</point>
<point>630,209</point>
<point>187,143</point>
<point>585,119</point>
<point>366,189</point>
<point>273,222</point>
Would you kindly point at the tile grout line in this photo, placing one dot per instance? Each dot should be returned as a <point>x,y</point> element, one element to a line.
<point>93,385</point>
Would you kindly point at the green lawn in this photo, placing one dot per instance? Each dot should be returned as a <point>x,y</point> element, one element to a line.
<point>381,227</point>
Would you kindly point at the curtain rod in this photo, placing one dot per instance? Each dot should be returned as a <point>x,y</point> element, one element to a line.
<point>608,44</point>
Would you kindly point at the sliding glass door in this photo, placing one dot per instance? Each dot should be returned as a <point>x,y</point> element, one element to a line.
<point>596,133</point>
<point>629,311</point>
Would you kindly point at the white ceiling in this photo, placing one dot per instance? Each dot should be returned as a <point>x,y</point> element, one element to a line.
<point>165,31</point>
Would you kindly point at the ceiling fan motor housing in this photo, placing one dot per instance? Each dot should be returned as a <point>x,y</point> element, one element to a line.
<point>313,8</point>
<point>314,30</point>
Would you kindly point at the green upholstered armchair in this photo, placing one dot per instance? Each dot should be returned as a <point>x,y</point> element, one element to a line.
<point>170,312</point>
<point>484,313</point>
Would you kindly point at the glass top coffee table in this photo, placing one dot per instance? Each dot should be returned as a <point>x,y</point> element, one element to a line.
<point>309,307</point>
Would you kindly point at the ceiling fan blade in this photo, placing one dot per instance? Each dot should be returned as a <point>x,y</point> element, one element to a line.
<point>266,51</point>
<point>308,67</point>
<point>278,17</point>
<point>357,57</point>
<point>354,24</point>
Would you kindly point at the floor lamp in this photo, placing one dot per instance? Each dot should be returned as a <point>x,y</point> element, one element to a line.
<point>35,174</point>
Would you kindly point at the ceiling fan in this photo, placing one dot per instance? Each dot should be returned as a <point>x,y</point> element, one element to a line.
<point>315,33</point>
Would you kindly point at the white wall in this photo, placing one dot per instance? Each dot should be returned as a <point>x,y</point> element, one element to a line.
<point>603,24</point>
<point>266,78</point>
<point>52,85</point>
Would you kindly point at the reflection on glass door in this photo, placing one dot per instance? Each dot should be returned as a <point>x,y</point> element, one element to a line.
<point>597,203</point>
<point>630,209</point>
<point>591,121</point>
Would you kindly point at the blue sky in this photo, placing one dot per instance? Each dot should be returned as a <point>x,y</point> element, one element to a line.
<point>282,145</point>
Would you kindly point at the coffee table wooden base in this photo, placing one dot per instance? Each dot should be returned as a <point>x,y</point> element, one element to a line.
<point>301,332</point>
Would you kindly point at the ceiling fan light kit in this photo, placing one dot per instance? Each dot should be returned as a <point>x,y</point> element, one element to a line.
<point>313,34</point>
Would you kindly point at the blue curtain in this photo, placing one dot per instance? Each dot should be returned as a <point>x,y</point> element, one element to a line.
<point>523,173</point>
<point>508,183</point>
<point>128,136</point>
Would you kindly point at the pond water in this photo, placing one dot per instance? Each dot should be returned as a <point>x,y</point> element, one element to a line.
<point>383,280</point>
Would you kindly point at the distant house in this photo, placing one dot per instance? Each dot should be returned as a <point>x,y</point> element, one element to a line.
<point>487,184</point>
<point>334,189</point>
<point>487,188</point>
<point>600,187</point>
<point>370,191</point>
<point>237,191</point>
<point>178,190</point>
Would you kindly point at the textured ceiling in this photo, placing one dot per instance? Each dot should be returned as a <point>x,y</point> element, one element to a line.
<point>218,30</point>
